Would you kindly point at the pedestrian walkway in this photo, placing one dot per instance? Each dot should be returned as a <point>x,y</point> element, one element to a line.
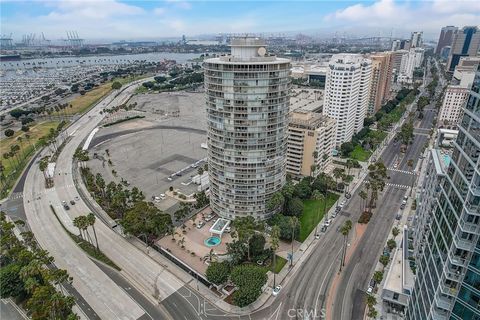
<point>15,195</point>
<point>402,171</point>
<point>398,186</point>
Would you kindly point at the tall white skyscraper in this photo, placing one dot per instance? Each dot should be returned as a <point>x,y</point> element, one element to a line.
<point>347,89</point>
<point>247,98</point>
<point>416,39</point>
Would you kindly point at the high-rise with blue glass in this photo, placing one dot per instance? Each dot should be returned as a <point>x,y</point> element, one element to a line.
<point>466,42</point>
<point>447,284</point>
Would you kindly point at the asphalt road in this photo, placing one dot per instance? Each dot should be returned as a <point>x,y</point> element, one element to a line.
<point>349,300</point>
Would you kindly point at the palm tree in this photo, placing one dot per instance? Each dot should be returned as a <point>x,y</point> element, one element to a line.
<point>274,243</point>
<point>293,224</point>
<point>337,173</point>
<point>317,196</point>
<point>395,232</point>
<point>20,140</point>
<point>27,136</point>
<point>371,300</point>
<point>43,165</point>
<point>364,196</point>
<point>77,223</point>
<point>2,174</point>
<point>7,156</point>
<point>14,148</point>
<point>345,230</point>
<point>91,222</point>
<point>312,170</point>
<point>349,165</point>
<point>276,201</point>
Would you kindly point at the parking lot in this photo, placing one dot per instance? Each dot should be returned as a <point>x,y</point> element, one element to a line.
<point>155,152</point>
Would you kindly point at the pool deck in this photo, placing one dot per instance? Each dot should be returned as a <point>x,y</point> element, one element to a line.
<point>194,242</point>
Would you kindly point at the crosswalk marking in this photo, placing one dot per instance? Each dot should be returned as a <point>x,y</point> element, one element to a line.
<point>398,186</point>
<point>19,195</point>
<point>402,171</point>
<point>16,195</point>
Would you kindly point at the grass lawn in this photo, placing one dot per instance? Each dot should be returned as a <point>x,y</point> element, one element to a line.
<point>13,167</point>
<point>279,263</point>
<point>310,217</point>
<point>82,103</point>
<point>360,154</point>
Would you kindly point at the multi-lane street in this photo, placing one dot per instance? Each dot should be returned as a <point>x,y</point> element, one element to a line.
<point>145,289</point>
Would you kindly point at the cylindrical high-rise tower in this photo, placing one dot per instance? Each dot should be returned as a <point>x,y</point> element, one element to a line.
<point>247,97</point>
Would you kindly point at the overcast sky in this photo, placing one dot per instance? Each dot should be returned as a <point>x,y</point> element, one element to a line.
<point>115,19</point>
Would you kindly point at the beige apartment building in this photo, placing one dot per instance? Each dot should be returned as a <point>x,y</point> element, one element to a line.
<point>382,66</point>
<point>451,111</point>
<point>311,140</point>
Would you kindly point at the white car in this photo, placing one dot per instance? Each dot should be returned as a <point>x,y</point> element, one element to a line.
<point>276,290</point>
<point>328,222</point>
<point>369,290</point>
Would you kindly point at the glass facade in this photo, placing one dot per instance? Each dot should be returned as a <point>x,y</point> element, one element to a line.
<point>447,284</point>
<point>247,98</point>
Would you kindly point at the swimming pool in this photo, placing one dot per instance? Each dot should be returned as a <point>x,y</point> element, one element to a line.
<point>212,241</point>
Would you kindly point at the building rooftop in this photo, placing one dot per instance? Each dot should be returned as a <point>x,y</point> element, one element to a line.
<point>306,99</point>
<point>309,120</point>
<point>400,277</point>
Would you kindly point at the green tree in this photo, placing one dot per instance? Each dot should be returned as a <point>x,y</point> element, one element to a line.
<point>145,220</point>
<point>9,133</point>
<point>391,244</point>
<point>116,85</point>
<point>384,260</point>
<point>276,201</point>
<point>10,283</point>
<point>395,232</point>
<point>274,244</point>
<point>294,207</point>
<point>364,196</point>
<point>218,272</point>
<point>345,230</point>
<point>378,276</point>
<point>256,244</point>
<point>91,222</point>
<point>293,225</point>
<point>317,195</point>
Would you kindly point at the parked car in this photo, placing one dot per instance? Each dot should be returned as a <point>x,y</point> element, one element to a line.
<point>77,198</point>
<point>72,202</point>
<point>402,206</point>
<point>208,217</point>
<point>276,290</point>
<point>323,229</point>
<point>66,207</point>
<point>228,229</point>
<point>398,216</point>
<point>327,222</point>
<point>200,224</point>
<point>64,203</point>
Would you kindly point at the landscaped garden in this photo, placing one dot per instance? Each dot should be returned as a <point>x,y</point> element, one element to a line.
<point>313,213</point>
<point>18,148</point>
<point>367,140</point>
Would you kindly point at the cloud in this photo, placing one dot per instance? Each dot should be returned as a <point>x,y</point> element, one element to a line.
<point>427,16</point>
<point>180,4</point>
<point>159,11</point>
<point>89,9</point>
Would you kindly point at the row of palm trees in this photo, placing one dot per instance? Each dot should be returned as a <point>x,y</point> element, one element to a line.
<point>83,223</point>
